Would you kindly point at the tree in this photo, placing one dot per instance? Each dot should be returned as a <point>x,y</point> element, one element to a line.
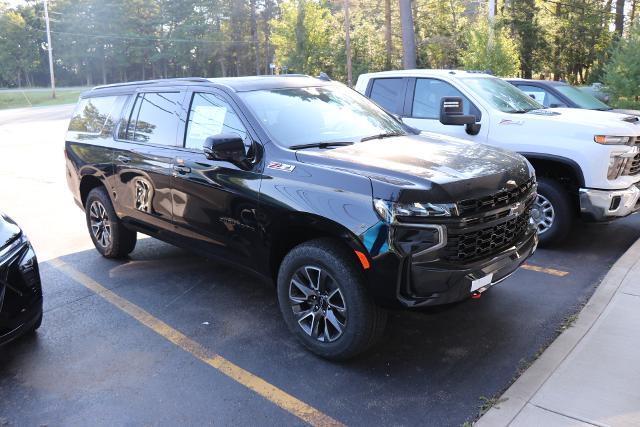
<point>622,74</point>
<point>304,38</point>
<point>525,27</point>
<point>18,52</point>
<point>500,56</point>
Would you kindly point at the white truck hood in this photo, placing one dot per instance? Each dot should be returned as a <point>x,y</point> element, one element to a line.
<point>593,121</point>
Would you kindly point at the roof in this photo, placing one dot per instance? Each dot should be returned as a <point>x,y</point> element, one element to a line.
<point>545,82</point>
<point>428,72</point>
<point>237,84</point>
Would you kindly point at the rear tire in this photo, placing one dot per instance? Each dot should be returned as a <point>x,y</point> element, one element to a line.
<point>553,213</point>
<point>110,237</point>
<point>328,308</point>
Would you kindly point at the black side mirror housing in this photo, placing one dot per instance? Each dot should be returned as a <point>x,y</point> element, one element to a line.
<point>451,113</point>
<point>227,147</point>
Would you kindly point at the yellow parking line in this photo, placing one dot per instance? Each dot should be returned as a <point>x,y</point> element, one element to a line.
<point>253,382</point>
<point>539,269</point>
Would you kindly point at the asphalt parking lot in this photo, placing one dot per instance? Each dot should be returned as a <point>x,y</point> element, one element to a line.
<point>168,338</point>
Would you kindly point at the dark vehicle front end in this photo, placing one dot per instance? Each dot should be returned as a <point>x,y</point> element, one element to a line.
<point>450,259</point>
<point>453,217</point>
<point>20,288</point>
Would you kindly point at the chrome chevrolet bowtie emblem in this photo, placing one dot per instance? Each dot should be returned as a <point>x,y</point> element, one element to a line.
<point>517,209</point>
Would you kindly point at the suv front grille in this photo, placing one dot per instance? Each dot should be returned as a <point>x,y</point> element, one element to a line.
<point>469,246</point>
<point>494,201</point>
<point>634,168</point>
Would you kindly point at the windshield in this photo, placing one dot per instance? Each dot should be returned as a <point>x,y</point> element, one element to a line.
<point>582,99</point>
<point>309,115</point>
<point>502,95</point>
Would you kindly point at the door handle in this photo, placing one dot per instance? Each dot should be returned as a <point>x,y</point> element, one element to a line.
<point>123,159</point>
<point>181,169</point>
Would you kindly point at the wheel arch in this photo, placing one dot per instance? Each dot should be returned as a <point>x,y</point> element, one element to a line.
<point>87,183</point>
<point>552,166</point>
<point>296,228</point>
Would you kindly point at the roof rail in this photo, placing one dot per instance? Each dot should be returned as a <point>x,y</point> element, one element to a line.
<point>148,82</point>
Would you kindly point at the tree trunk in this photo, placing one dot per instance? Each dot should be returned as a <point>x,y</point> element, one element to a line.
<point>408,35</point>
<point>103,64</point>
<point>619,17</point>
<point>387,33</point>
<point>632,17</point>
<point>556,50</point>
<point>223,69</point>
<point>347,35</point>
<point>268,15</point>
<point>254,36</point>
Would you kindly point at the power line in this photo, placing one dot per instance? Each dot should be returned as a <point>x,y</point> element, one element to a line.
<point>160,39</point>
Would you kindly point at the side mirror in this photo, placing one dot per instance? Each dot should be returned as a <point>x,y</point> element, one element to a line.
<point>451,113</point>
<point>227,147</point>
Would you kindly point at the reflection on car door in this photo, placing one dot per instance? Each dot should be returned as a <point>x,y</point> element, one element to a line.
<point>144,160</point>
<point>423,108</point>
<point>215,202</point>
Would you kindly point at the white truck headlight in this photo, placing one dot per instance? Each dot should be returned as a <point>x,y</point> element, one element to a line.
<point>612,140</point>
<point>389,211</point>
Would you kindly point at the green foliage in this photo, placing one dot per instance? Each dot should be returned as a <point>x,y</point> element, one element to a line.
<point>97,41</point>
<point>622,74</point>
<point>440,29</point>
<point>485,51</point>
<point>303,37</point>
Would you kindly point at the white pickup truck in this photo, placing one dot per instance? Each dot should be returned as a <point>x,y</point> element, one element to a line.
<point>587,162</point>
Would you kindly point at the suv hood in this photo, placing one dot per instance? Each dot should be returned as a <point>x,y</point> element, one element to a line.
<point>425,168</point>
<point>9,231</point>
<point>595,121</point>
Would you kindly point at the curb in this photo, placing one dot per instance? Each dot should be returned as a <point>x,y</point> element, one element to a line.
<point>522,391</point>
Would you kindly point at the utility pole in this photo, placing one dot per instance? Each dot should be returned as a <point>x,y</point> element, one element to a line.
<point>408,35</point>
<point>492,19</point>
<point>46,20</point>
<point>347,31</point>
<point>387,32</point>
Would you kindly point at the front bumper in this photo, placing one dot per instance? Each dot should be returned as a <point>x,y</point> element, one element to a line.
<point>601,205</point>
<point>417,291</point>
<point>20,290</point>
<point>437,282</point>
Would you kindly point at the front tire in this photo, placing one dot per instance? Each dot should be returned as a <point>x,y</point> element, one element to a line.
<point>324,302</point>
<point>110,237</point>
<point>552,212</point>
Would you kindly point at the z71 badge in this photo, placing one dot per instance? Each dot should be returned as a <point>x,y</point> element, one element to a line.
<point>281,166</point>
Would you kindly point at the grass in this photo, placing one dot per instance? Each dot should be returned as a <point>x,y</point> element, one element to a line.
<point>15,98</point>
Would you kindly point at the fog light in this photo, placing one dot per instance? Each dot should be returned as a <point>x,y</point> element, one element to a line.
<point>615,203</point>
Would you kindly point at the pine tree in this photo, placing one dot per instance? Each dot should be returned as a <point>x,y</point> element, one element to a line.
<point>622,74</point>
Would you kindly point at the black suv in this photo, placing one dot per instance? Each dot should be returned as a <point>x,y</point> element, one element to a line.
<point>308,183</point>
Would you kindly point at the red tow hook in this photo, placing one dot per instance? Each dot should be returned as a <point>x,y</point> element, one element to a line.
<point>476,295</point>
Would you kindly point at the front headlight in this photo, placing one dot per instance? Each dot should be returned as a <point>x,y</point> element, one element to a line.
<point>612,140</point>
<point>390,211</point>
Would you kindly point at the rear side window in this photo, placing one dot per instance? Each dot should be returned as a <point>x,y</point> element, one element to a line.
<point>153,119</point>
<point>388,93</point>
<point>96,115</point>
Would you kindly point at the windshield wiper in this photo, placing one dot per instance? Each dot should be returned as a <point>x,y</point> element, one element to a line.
<point>320,145</point>
<point>381,135</point>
